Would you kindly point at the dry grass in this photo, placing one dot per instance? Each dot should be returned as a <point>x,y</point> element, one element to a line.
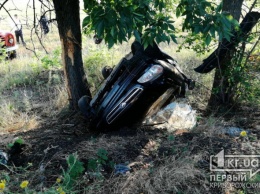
<point>23,109</point>
<point>13,120</point>
<point>172,176</point>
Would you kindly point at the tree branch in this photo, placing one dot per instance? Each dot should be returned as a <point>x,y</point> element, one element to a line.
<point>2,5</point>
<point>252,6</point>
<point>246,26</point>
<point>253,48</point>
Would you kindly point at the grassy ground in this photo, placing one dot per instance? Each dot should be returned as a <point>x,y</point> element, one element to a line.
<point>52,149</point>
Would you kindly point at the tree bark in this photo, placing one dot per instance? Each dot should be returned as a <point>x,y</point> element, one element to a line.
<point>68,19</point>
<point>222,94</point>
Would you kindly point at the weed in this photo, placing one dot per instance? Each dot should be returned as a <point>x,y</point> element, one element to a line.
<point>64,184</point>
<point>75,169</point>
<point>171,137</point>
<point>95,165</point>
<point>93,65</point>
<point>19,141</point>
<point>52,61</point>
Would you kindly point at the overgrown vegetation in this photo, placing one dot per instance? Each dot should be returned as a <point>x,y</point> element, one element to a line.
<point>96,172</point>
<point>33,99</point>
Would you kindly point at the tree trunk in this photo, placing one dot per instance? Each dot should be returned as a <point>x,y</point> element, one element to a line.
<point>68,19</point>
<point>222,91</point>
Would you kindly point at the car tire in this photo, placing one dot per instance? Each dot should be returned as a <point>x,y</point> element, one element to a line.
<point>84,106</point>
<point>12,55</point>
<point>106,71</point>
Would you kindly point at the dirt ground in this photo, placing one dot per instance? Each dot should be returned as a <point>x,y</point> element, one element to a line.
<point>45,149</point>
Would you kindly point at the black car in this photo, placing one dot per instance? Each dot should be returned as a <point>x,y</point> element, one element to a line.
<point>133,86</point>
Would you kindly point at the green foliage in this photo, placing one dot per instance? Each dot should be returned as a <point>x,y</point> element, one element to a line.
<point>16,79</point>
<point>171,137</point>
<point>206,22</point>
<point>202,17</point>
<point>93,65</point>
<point>3,53</point>
<point>52,61</point>
<point>95,164</point>
<point>29,74</point>
<point>196,43</point>
<point>18,141</point>
<point>118,20</point>
<point>96,59</point>
<point>64,184</point>
<point>75,169</point>
<point>242,79</point>
<point>151,20</point>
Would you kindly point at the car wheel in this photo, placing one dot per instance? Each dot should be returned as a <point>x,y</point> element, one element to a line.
<point>12,55</point>
<point>84,106</point>
<point>106,71</point>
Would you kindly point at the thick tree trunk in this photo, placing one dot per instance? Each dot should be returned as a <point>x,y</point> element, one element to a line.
<point>68,19</point>
<point>222,57</point>
<point>222,94</point>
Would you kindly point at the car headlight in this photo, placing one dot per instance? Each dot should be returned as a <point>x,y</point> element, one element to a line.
<point>154,72</point>
<point>11,40</point>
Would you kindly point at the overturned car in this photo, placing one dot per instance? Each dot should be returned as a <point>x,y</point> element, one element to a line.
<point>133,86</point>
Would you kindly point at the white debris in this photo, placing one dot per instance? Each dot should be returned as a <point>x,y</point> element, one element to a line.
<point>176,115</point>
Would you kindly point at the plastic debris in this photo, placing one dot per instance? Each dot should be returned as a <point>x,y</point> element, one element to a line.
<point>176,115</point>
<point>121,169</point>
<point>3,158</point>
<point>232,131</point>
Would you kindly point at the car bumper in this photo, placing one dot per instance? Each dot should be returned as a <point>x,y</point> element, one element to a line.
<point>8,49</point>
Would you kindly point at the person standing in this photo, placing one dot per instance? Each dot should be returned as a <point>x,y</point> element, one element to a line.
<point>44,24</point>
<point>17,27</point>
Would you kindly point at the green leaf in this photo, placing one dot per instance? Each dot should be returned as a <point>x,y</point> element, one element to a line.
<point>236,24</point>
<point>171,27</point>
<point>138,14</point>
<point>226,22</point>
<point>206,29</point>
<point>112,32</point>
<point>173,37</point>
<point>92,164</point>
<point>110,42</point>
<point>171,138</point>
<point>230,17</point>
<point>219,7</point>
<point>86,21</point>
<point>227,36</point>
<point>161,5</point>
<point>208,39</point>
<point>90,4</point>
<point>138,19</point>
<point>212,31</point>
<point>164,26</point>
<point>100,29</point>
<point>10,145</point>
<point>156,3</point>
<point>178,12</point>
<point>158,39</point>
<point>137,35</point>
<point>75,167</point>
<point>220,34</point>
<point>19,140</point>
